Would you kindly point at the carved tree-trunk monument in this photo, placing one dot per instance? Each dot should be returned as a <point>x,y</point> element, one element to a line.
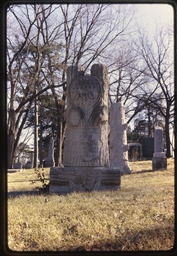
<point>86,152</point>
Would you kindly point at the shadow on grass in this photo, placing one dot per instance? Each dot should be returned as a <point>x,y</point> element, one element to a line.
<point>143,171</point>
<point>19,193</point>
<point>156,239</point>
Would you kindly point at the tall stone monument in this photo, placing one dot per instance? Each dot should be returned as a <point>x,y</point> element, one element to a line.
<point>86,152</point>
<point>50,158</point>
<point>159,160</point>
<point>118,138</point>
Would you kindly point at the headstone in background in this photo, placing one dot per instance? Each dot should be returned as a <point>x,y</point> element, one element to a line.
<point>17,165</point>
<point>30,164</point>
<point>86,153</point>
<point>118,138</point>
<point>134,151</point>
<point>148,148</point>
<point>50,158</point>
<point>159,160</point>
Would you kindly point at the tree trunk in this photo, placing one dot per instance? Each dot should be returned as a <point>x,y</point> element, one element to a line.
<point>11,134</point>
<point>40,146</point>
<point>167,133</point>
<point>10,149</point>
<point>36,127</point>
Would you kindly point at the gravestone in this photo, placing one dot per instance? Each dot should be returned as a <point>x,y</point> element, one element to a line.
<point>30,164</point>
<point>148,147</point>
<point>50,158</point>
<point>86,153</point>
<point>159,160</point>
<point>17,165</point>
<point>118,138</point>
<point>134,151</point>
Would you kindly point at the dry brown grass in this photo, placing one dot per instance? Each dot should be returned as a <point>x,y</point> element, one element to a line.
<point>138,217</point>
<point>25,180</point>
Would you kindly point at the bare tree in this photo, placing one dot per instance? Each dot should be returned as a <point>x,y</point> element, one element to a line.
<point>157,56</point>
<point>25,58</point>
<point>45,40</point>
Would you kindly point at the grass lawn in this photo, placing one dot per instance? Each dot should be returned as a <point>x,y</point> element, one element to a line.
<point>140,216</point>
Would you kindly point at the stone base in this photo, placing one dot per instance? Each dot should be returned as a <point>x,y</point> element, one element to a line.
<point>17,166</point>
<point>159,154</point>
<point>49,163</point>
<point>69,179</point>
<point>159,163</point>
<point>126,169</point>
<point>28,165</point>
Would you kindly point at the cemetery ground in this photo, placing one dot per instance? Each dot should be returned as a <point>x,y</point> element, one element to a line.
<point>140,216</point>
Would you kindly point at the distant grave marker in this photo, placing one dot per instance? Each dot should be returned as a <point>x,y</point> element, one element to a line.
<point>30,164</point>
<point>134,151</point>
<point>148,147</point>
<point>159,160</point>
<point>50,158</point>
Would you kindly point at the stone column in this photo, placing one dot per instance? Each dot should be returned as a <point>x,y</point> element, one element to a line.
<point>118,138</point>
<point>159,161</point>
<point>50,158</point>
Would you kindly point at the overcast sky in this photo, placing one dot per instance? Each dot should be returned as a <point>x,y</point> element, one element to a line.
<point>152,14</point>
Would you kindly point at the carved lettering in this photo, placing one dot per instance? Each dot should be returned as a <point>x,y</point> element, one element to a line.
<point>85,92</point>
<point>86,141</point>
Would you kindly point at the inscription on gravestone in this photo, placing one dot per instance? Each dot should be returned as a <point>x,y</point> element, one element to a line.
<point>87,122</point>
<point>84,92</point>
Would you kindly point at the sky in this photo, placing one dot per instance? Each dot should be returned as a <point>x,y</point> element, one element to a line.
<point>152,14</point>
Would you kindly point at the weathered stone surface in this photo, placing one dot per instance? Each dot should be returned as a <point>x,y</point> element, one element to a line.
<point>86,153</point>
<point>17,165</point>
<point>68,179</point>
<point>158,140</point>
<point>86,142</point>
<point>159,161</point>
<point>118,138</point>
<point>50,158</point>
